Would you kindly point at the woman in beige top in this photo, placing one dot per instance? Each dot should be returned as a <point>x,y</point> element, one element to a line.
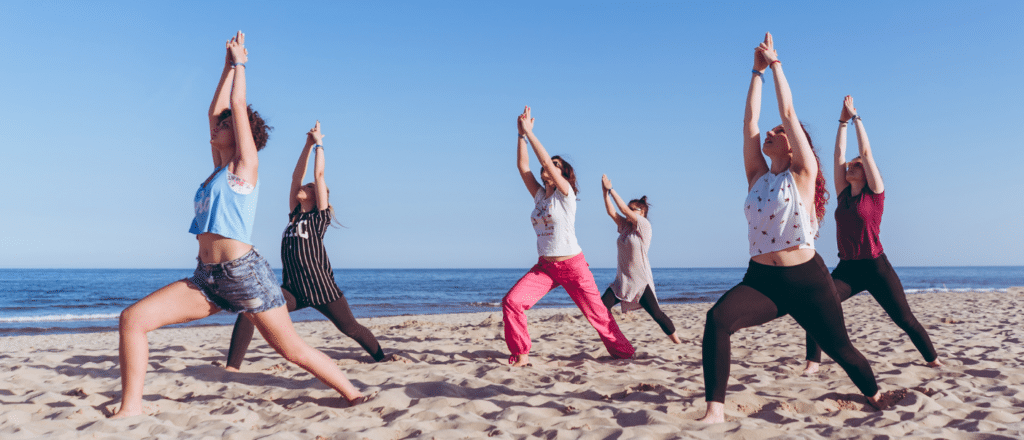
<point>634,282</point>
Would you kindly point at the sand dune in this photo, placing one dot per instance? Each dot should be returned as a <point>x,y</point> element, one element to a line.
<point>449,380</point>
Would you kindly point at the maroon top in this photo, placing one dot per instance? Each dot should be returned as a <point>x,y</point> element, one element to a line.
<point>858,221</point>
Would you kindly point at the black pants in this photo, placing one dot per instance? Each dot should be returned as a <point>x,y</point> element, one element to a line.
<point>649,302</point>
<point>804,291</point>
<point>879,279</point>
<point>337,311</point>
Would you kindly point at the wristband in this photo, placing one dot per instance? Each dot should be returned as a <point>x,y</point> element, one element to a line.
<point>854,117</point>
<point>758,73</point>
<point>233,65</point>
<point>773,62</point>
<point>842,121</point>
<point>317,146</point>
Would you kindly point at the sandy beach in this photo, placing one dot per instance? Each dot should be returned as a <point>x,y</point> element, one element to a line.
<point>450,380</point>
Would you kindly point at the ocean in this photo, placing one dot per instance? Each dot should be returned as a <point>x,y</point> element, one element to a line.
<point>40,301</point>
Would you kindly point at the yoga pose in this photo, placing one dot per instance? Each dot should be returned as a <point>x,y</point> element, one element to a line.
<point>634,282</point>
<point>231,274</point>
<point>561,260</point>
<point>785,275</point>
<point>862,263</point>
<point>308,277</point>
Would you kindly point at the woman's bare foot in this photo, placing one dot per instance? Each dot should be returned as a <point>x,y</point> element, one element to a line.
<point>519,360</point>
<point>876,401</point>
<point>811,368</point>
<point>127,411</point>
<point>231,369</point>
<point>936,363</point>
<point>361,399</point>
<point>675,338</point>
<point>715,413</point>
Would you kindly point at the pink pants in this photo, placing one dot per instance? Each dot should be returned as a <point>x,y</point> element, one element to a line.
<point>575,276</point>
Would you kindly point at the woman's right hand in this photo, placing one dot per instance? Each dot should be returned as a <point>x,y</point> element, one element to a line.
<point>313,136</point>
<point>236,47</point>
<point>606,184</point>
<point>849,110</point>
<point>760,64</point>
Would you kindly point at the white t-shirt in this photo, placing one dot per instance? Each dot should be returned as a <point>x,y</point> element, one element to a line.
<point>776,217</point>
<point>554,221</point>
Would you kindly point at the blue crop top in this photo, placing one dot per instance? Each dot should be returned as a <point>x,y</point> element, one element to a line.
<point>226,206</point>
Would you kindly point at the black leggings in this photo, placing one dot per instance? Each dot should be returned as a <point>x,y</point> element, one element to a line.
<point>649,302</point>
<point>804,291</point>
<point>879,279</point>
<point>337,311</point>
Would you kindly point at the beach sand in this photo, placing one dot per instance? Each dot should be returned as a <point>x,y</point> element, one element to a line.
<point>450,380</point>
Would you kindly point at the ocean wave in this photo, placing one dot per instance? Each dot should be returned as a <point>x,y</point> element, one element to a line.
<point>484,304</point>
<point>56,318</point>
<point>959,289</point>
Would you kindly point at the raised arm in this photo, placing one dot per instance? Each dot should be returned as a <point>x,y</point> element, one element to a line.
<point>300,169</point>
<point>523,162</point>
<point>609,204</point>
<point>322,200</point>
<point>839,171</point>
<point>871,173</point>
<point>246,161</point>
<point>753,162</point>
<point>803,165</point>
<point>221,100</point>
<point>526,125</point>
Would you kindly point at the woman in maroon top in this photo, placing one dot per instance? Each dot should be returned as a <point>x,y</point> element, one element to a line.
<point>862,264</point>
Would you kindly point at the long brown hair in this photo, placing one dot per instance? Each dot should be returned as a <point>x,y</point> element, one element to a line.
<point>567,172</point>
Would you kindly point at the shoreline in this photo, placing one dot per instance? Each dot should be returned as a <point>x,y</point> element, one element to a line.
<point>450,380</point>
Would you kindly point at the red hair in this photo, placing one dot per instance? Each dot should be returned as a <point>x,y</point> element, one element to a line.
<point>821,194</point>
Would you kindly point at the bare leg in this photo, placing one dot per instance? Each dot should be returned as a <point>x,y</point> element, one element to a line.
<point>276,327</point>
<point>178,302</point>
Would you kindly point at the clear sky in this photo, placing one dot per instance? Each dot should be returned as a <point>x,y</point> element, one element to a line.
<point>104,137</point>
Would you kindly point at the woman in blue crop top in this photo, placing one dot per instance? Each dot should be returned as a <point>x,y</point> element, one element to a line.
<point>785,275</point>
<point>231,275</point>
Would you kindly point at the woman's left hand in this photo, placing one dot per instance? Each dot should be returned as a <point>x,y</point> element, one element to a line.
<point>849,110</point>
<point>767,49</point>
<point>314,134</point>
<point>237,48</point>
<point>606,184</point>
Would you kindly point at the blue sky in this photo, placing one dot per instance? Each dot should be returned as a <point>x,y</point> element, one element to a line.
<point>104,139</point>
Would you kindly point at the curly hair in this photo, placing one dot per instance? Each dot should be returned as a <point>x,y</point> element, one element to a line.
<point>260,129</point>
<point>821,194</point>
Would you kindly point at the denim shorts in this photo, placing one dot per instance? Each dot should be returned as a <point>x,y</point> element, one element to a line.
<point>245,284</point>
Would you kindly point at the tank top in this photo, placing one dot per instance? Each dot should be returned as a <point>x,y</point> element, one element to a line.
<point>858,224</point>
<point>306,269</point>
<point>226,206</point>
<point>776,217</point>
<point>554,221</point>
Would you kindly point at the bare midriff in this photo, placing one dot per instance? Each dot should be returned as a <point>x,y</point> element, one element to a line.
<point>557,259</point>
<point>790,256</point>
<point>216,248</point>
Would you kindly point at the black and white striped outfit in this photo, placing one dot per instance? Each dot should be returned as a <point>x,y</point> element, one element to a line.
<point>308,282</point>
<point>307,270</point>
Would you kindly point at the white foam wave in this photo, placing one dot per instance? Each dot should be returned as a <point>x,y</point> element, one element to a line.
<point>54,318</point>
<point>961,289</point>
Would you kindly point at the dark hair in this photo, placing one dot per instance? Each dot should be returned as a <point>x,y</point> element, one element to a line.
<point>260,129</point>
<point>567,172</point>
<point>642,203</point>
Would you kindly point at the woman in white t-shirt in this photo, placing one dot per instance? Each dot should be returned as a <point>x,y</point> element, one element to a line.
<point>561,261</point>
<point>634,281</point>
